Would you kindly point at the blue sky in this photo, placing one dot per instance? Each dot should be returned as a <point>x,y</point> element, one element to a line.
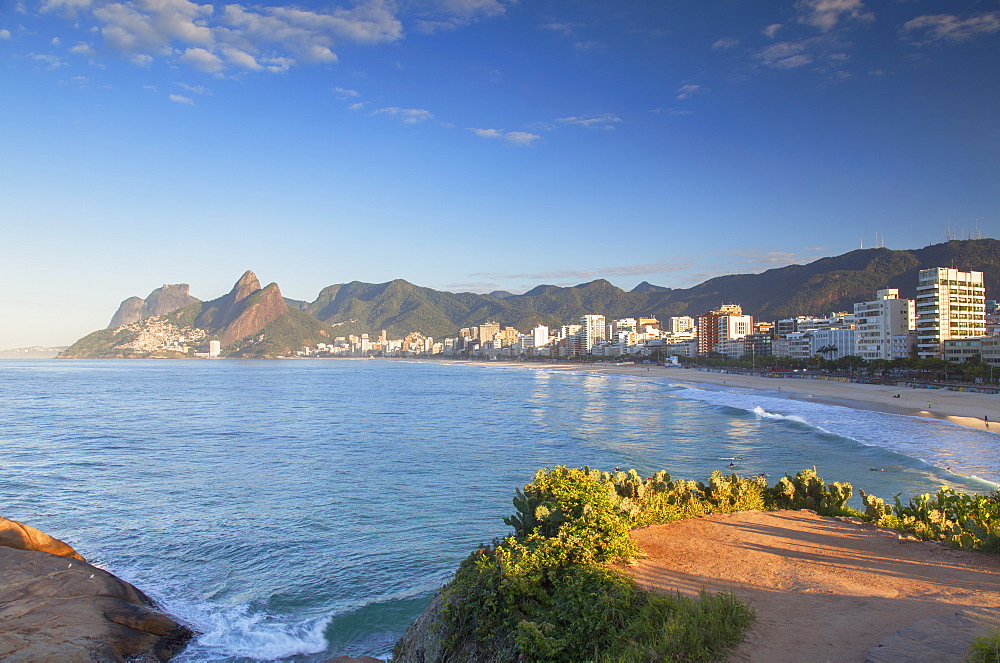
<point>476,144</point>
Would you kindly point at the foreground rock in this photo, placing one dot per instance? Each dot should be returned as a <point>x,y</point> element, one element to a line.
<point>825,589</point>
<point>54,607</point>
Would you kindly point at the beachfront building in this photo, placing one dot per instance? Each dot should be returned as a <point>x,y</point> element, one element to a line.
<point>680,324</point>
<point>723,324</point>
<point>540,336</point>
<point>961,349</point>
<point>794,344</point>
<point>878,321</point>
<point>903,346</point>
<point>832,343</point>
<point>950,304</point>
<point>990,350</point>
<point>593,330</point>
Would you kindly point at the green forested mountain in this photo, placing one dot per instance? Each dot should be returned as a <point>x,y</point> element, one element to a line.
<point>822,286</point>
<point>255,321</point>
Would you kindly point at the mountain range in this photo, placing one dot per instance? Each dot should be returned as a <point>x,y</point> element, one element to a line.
<point>255,321</point>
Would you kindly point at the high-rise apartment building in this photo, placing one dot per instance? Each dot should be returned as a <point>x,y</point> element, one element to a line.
<point>679,324</point>
<point>879,320</point>
<point>593,329</point>
<point>950,304</point>
<point>540,336</point>
<point>723,324</point>
<point>488,330</point>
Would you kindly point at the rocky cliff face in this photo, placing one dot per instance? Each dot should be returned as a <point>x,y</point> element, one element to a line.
<point>56,607</point>
<point>244,311</point>
<point>262,308</point>
<point>161,301</point>
<point>129,311</point>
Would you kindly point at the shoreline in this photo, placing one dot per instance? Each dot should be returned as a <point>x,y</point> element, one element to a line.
<point>963,408</point>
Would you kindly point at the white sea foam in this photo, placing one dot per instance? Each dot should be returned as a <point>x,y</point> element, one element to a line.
<point>238,631</point>
<point>764,414</point>
<point>964,451</point>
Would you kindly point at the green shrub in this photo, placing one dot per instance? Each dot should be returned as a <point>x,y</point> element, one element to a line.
<point>969,522</point>
<point>546,593</point>
<point>985,649</point>
<point>807,491</point>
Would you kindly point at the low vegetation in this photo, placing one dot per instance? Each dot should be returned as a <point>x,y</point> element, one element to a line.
<point>969,522</point>
<point>549,591</point>
<point>985,649</point>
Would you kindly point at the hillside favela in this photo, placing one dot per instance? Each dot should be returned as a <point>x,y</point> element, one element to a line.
<point>488,331</point>
<point>946,314</point>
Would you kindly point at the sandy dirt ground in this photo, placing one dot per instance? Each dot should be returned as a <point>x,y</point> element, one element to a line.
<point>824,589</point>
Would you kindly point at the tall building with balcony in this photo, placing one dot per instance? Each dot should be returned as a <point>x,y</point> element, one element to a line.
<point>950,304</point>
<point>723,324</point>
<point>593,329</point>
<point>878,321</point>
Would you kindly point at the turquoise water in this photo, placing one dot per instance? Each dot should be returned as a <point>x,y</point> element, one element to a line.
<point>304,509</point>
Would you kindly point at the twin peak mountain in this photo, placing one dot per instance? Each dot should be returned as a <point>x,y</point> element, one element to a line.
<point>251,321</point>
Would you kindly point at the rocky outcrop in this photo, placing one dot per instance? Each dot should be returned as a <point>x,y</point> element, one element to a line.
<point>422,641</point>
<point>55,607</point>
<point>129,311</point>
<point>161,301</point>
<point>260,309</point>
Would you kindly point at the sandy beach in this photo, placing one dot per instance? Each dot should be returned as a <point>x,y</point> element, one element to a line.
<point>826,589</point>
<point>960,407</point>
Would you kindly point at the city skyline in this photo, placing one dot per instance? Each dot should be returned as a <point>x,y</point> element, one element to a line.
<point>476,144</point>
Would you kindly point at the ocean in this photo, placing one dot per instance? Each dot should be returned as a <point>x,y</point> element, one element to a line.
<point>299,510</point>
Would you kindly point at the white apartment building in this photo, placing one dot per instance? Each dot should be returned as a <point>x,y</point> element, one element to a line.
<point>878,321</point>
<point>540,336</point>
<point>679,324</point>
<point>593,329</point>
<point>950,304</point>
<point>838,342</point>
<point>794,344</point>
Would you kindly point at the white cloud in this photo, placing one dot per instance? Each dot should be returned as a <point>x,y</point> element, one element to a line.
<point>784,55</point>
<point>68,7</point>
<point>523,138</point>
<point>344,93</point>
<point>678,265</point>
<point>771,30</point>
<point>180,99</point>
<point>949,27</point>
<point>52,61</point>
<point>689,90</point>
<point>358,106</point>
<point>4,34</point>
<point>520,138</point>
<point>452,14</point>
<point>256,36</point>
<point>725,43</point>
<point>238,58</point>
<point>606,121</point>
<point>86,50</point>
<point>407,115</point>
<point>196,89</point>
<point>825,14</point>
<point>561,28</point>
<point>202,60</point>
<point>488,133</point>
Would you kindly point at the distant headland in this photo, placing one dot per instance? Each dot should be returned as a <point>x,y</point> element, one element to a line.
<point>255,321</point>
